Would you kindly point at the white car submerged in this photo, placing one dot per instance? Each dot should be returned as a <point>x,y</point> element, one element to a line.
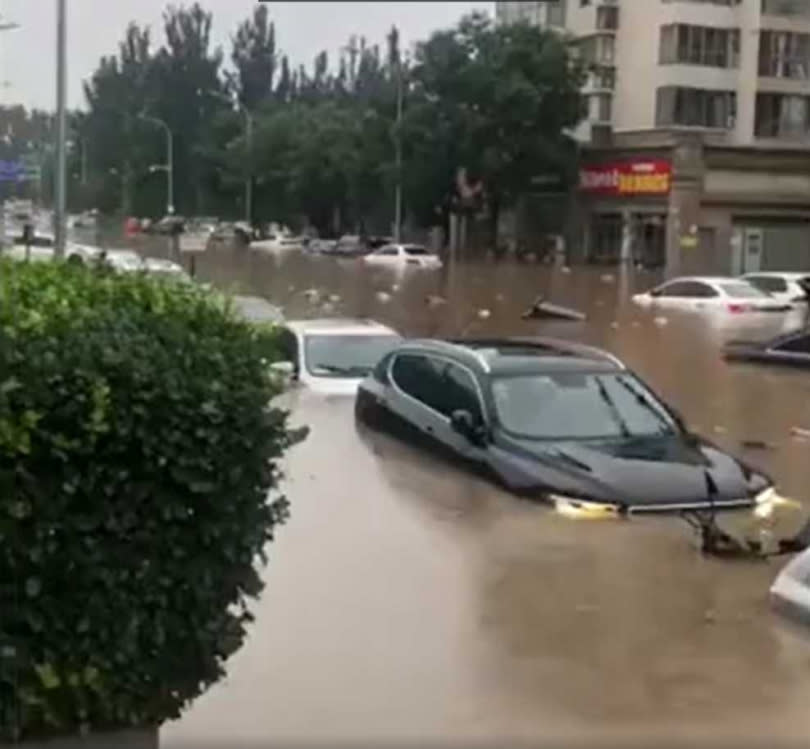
<point>711,294</point>
<point>403,255</point>
<point>333,356</point>
<point>790,288</point>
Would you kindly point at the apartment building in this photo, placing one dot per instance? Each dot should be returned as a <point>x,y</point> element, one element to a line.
<point>696,144</point>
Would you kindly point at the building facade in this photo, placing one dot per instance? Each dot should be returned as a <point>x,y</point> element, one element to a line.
<point>696,143</point>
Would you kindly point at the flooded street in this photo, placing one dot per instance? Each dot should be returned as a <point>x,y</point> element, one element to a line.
<point>406,600</point>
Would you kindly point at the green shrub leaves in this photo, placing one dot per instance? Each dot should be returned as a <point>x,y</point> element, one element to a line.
<point>137,450</point>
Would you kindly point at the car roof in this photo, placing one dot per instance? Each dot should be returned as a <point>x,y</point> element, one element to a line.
<point>513,356</point>
<point>706,279</point>
<point>788,275</point>
<point>339,326</point>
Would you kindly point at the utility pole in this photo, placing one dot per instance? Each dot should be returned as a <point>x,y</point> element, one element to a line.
<point>398,158</point>
<point>61,128</point>
<point>249,176</point>
<point>169,166</point>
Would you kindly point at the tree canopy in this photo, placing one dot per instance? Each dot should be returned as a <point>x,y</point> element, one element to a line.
<point>485,107</point>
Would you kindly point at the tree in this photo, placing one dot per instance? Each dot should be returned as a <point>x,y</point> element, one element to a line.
<point>255,58</point>
<point>497,101</point>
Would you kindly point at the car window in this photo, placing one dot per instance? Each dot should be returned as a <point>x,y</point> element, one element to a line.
<point>741,290</point>
<point>420,377</point>
<point>771,284</point>
<point>686,289</point>
<point>460,393</point>
<point>798,344</point>
<point>390,250</point>
<point>414,249</point>
<point>579,406</point>
<point>345,355</point>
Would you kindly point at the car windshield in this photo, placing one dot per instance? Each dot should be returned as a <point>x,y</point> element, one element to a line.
<point>740,290</point>
<point>579,406</point>
<point>345,355</point>
<point>412,249</point>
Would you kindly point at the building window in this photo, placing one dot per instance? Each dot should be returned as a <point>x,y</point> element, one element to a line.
<point>783,54</point>
<point>607,17</point>
<point>728,3</point>
<point>556,13</point>
<point>695,107</point>
<point>789,8</point>
<point>598,50</point>
<point>699,45</point>
<point>603,77</point>
<point>782,116</point>
<point>600,107</point>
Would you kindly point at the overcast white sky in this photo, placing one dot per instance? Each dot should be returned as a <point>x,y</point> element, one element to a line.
<point>27,59</point>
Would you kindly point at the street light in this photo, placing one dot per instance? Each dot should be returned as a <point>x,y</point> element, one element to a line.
<point>169,166</point>
<point>60,228</point>
<point>248,151</point>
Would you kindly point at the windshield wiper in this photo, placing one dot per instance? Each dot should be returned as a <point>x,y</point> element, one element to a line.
<point>645,401</point>
<point>611,404</point>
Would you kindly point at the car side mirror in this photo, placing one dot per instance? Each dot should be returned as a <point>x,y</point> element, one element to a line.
<point>284,368</point>
<point>463,423</point>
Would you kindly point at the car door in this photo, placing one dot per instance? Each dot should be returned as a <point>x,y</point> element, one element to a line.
<point>462,393</point>
<point>421,400</point>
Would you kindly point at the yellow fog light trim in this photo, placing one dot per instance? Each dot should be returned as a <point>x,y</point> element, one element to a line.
<point>577,508</point>
<point>768,500</point>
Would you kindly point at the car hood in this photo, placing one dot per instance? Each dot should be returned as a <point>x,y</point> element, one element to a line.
<point>643,473</point>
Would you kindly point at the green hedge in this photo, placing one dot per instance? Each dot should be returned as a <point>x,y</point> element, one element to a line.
<point>137,450</point>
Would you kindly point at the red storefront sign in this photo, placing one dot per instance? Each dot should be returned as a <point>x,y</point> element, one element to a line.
<point>637,177</point>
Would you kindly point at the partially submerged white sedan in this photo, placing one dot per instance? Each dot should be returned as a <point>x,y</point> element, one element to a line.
<point>403,256</point>
<point>333,356</point>
<point>710,294</point>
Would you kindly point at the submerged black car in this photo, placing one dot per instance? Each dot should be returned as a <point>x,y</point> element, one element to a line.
<point>791,349</point>
<point>555,421</point>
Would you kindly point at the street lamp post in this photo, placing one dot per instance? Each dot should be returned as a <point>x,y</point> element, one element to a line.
<point>169,167</point>
<point>398,158</point>
<point>248,152</point>
<point>61,128</point>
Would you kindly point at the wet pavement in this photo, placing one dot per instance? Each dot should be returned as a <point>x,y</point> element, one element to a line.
<point>407,601</point>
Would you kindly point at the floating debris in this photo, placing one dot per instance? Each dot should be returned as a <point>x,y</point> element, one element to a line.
<point>328,307</point>
<point>433,300</point>
<point>614,325</point>
<point>312,294</point>
<point>334,298</point>
<point>382,297</point>
<point>755,444</point>
<point>719,430</point>
<point>565,269</point>
<point>395,287</point>
<point>543,310</point>
<point>499,297</point>
<point>291,288</point>
<point>607,278</point>
<point>800,433</point>
<point>484,314</point>
<point>661,321</point>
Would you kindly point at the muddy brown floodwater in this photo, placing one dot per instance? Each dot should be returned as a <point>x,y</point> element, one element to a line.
<point>409,602</point>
